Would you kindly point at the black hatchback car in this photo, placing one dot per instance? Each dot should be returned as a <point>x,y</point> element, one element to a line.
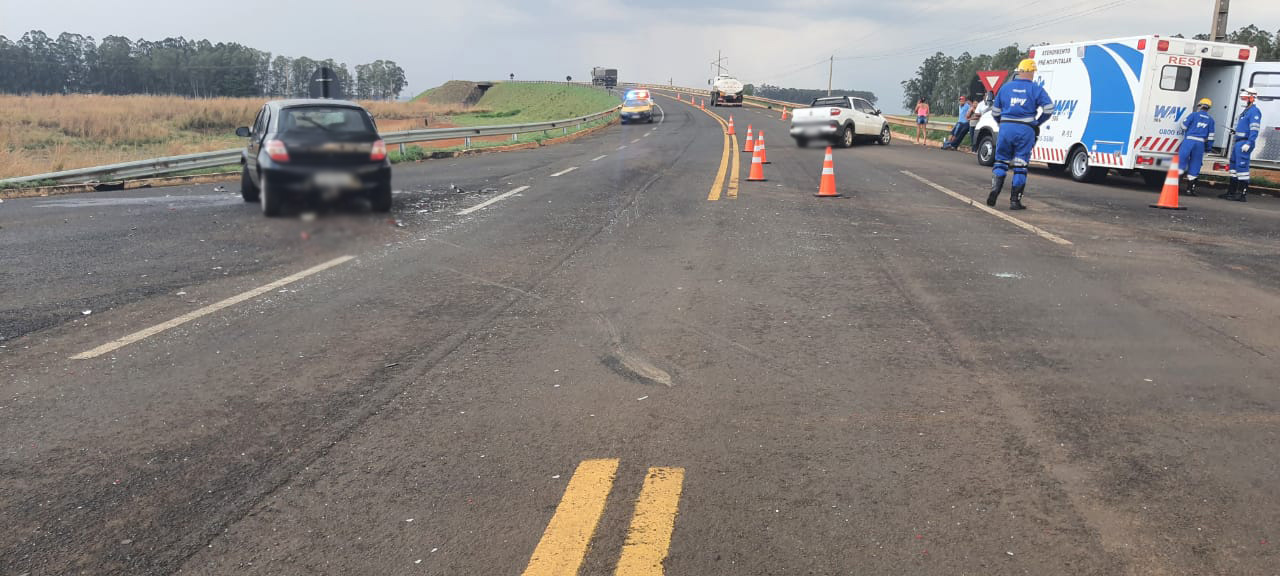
<point>312,151</point>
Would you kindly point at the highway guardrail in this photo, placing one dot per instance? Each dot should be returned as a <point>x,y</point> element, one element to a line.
<point>187,162</point>
<point>908,121</point>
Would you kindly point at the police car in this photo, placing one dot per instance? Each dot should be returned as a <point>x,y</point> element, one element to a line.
<point>1120,104</point>
<point>637,106</point>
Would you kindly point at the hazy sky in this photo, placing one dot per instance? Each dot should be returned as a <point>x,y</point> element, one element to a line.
<point>765,41</point>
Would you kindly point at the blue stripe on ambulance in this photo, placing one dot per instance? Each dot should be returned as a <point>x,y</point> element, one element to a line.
<point>1112,106</point>
<point>1130,55</point>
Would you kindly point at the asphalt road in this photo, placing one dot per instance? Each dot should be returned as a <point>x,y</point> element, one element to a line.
<point>607,369</point>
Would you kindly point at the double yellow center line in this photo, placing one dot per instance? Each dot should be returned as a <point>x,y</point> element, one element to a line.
<point>730,142</point>
<point>568,535</point>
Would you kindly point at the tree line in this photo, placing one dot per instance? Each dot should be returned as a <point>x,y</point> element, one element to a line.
<point>803,95</point>
<point>73,63</point>
<point>943,79</point>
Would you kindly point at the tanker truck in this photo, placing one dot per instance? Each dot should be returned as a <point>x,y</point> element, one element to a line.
<point>726,91</point>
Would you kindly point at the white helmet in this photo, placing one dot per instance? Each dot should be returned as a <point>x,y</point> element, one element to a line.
<point>1250,93</point>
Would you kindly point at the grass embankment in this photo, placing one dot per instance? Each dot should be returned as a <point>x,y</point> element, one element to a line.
<point>453,92</point>
<point>522,103</point>
<point>511,104</point>
<point>48,133</point>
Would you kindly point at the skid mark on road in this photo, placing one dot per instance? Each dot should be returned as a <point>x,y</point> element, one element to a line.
<point>210,309</point>
<point>989,210</point>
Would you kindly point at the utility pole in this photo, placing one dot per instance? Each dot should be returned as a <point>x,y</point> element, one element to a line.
<point>1218,32</point>
<point>831,70</point>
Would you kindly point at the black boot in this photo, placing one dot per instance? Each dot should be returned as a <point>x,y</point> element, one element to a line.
<point>1191,186</point>
<point>1231,189</point>
<point>1015,198</point>
<point>997,184</point>
<point>1242,192</point>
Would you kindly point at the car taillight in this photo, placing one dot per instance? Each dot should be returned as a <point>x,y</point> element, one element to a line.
<point>1162,45</point>
<point>379,152</point>
<point>1244,53</point>
<point>835,111</point>
<point>276,150</point>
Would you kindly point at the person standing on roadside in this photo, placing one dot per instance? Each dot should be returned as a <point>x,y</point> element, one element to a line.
<point>1020,107</point>
<point>975,116</point>
<point>961,128</point>
<point>1197,137</point>
<point>922,119</point>
<point>1246,139</point>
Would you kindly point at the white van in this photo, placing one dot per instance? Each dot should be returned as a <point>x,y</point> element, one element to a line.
<point>1120,104</point>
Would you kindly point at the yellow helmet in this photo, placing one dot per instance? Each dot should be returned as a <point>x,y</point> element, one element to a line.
<point>1207,103</point>
<point>1027,65</point>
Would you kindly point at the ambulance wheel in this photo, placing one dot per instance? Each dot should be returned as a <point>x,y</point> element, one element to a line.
<point>986,150</point>
<point>1079,167</point>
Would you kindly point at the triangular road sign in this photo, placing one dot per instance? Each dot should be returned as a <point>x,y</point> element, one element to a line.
<point>992,79</point>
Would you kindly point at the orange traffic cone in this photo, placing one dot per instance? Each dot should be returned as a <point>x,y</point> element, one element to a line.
<point>764,154</point>
<point>827,186</point>
<point>784,113</point>
<point>1169,195</point>
<point>750,144</point>
<point>702,104</point>
<point>731,132</point>
<point>757,167</point>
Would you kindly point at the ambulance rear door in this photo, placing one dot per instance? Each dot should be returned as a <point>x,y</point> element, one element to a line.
<point>1265,78</point>
<point>1169,98</point>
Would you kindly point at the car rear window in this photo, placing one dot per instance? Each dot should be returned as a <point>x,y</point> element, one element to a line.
<point>837,102</point>
<point>324,119</point>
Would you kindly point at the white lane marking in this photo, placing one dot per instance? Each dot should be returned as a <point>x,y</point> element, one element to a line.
<point>646,134</point>
<point>486,203</point>
<point>664,114</point>
<point>600,157</point>
<point>622,147</point>
<point>636,140</point>
<point>210,309</point>
<point>989,210</point>
<point>565,171</point>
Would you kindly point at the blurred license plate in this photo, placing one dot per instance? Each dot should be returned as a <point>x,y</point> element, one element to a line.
<point>335,180</point>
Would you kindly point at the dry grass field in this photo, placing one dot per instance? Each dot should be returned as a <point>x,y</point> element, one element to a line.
<point>47,133</point>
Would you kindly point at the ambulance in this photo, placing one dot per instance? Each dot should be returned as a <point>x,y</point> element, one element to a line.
<point>1120,104</point>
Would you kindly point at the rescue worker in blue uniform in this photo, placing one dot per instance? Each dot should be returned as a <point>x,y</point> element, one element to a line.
<point>1198,128</point>
<point>1246,140</point>
<point>1020,107</point>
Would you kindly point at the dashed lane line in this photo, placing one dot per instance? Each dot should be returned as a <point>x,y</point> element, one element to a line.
<point>622,147</point>
<point>487,203</point>
<point>989,210</point>
<point>207,310</point>
<point>563,172</point>
<point>600,157</point>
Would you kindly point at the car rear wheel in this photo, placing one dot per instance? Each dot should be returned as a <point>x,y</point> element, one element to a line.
<point>802,142</point>
<point>380,199</point>
<point>885,136</point>
<point>271,201</point>
<point>846,137</point>
<point>986,150</point>
<point>247,190</point>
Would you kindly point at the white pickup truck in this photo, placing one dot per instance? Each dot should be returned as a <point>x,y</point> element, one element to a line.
<point>840,120</point>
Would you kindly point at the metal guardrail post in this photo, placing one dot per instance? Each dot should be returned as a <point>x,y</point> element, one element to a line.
<point>466,145</point>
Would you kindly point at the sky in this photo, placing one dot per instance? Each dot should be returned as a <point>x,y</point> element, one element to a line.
<point>877,44</point>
